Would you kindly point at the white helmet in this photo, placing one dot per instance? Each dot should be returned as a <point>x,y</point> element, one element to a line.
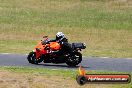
<point>59,36</point>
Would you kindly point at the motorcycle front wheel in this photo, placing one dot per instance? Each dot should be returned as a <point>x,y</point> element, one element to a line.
<point>32,58</point>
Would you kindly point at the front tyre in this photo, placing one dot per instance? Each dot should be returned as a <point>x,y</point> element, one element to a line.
<point>74,59</point>
<point>32,58</point>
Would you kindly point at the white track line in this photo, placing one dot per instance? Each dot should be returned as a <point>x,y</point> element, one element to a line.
<point>5,53</point>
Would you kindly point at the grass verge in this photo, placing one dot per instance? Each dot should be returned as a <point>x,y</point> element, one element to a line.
<point>104,25</point>
<point>26,77</point>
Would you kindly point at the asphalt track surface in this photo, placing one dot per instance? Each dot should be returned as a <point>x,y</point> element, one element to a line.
<point>89,63</point>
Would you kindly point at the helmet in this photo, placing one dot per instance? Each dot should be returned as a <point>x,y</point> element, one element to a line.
<point>59,36</point>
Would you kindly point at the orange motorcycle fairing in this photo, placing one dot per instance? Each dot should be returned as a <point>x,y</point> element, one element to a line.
<point>39,50</point>
<point>54,46</point>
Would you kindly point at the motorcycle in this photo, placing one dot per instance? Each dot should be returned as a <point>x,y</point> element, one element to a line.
<point>54,52</point>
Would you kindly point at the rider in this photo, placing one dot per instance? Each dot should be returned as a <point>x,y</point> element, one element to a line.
<point>60,38</point>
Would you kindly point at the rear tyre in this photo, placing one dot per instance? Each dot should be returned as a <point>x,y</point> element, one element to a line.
<point>74,59</point>
<point>32,58</point>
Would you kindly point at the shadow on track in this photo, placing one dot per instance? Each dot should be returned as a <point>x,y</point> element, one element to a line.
<point>59,66</point>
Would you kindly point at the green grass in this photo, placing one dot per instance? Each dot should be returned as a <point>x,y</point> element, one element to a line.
<point>55,72</point>
<point>71,74</point>
<point>104,25</point>
<point>72,14</point>
<point>40,71</point>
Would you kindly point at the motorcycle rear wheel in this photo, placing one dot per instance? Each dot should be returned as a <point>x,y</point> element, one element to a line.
<point>32,59</point>
<point>74,59</point>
